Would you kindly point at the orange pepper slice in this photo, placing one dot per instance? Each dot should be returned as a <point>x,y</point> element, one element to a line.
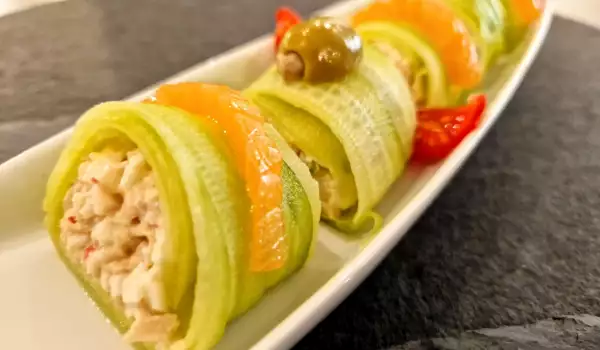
<point>256,156</point>
<point>436,21</point>
<point>528,11</point>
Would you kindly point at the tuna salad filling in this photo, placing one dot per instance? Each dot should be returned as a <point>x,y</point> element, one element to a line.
<point>329,188</point>
<point>113,227</point>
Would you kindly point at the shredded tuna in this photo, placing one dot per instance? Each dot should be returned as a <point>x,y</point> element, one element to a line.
<point>113,226</point>
<point>328,186</point>
<point>152,328</point>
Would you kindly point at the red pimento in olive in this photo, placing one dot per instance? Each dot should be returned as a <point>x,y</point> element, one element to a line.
<point>285,18</point>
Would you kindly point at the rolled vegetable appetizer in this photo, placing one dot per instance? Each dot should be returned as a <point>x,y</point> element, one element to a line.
<point>350,118</point>
<point>149,209</point>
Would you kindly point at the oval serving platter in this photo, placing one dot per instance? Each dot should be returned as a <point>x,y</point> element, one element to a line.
<point>44,308</point>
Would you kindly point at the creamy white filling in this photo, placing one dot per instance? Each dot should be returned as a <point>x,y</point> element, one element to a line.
<point>113,226</point>
<point>328,185</point>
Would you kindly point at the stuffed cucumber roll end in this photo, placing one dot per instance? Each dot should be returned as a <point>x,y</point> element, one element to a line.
<point>147,210</point>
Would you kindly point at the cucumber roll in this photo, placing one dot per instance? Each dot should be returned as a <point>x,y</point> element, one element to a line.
<point>149,209</point>
<point>355,132</point>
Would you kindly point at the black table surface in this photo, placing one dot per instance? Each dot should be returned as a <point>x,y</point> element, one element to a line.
<point>513,240</point>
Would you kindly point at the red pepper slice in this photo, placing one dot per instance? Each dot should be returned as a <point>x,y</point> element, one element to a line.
<point>440,130</point>
<point>88,250</point>
<point>285,18</point>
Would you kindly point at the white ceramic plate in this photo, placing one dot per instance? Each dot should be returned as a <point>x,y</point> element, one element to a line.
<point>44,308</point>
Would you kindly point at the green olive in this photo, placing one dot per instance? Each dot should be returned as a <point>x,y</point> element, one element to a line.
<point>319,50</point>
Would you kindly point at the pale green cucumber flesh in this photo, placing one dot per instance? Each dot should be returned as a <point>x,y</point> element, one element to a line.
<point>395,98</point>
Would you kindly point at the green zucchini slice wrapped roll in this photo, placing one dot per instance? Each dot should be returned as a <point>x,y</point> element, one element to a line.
<point>147,210</point>
<point>355,135</point>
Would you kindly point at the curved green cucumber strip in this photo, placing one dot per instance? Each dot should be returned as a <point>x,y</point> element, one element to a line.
<point>300,227</point>
<point>396,98</point>
<point>374,219</point>
<point>493,22</point>
<point>409,43</point>
<point>300,128</point>
<point>221,247</point>
<point>351,109</point>
<point>383,131</point>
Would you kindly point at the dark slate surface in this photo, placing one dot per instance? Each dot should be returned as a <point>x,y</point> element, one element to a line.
<point>514,238</point>
<point>59,59</point>
<point>558,333</point>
